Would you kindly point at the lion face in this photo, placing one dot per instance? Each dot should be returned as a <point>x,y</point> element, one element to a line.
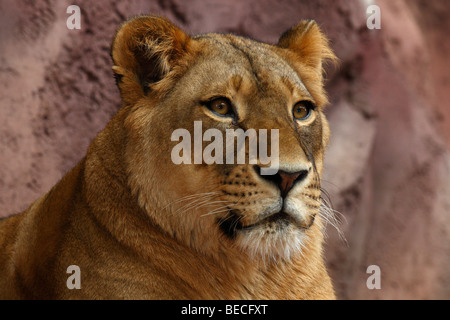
<point>172,82</point>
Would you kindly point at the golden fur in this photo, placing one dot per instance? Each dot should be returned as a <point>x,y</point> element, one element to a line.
<point>140,226</point>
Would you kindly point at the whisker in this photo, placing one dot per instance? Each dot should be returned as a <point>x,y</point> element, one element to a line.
<point>219,205</point>
<point>189,206</point>
<point>332,217</point>
<point>188,197</point>
<point>216,211</point>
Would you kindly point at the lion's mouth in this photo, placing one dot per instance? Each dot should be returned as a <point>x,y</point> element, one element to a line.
<point>280,218</point>
<point>232,223</point>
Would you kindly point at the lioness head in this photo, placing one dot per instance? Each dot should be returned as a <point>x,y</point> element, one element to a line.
<point>170,81</point>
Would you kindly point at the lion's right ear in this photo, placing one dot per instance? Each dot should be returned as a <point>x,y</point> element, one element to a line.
<point>144,50</point>
<point>309,43</point>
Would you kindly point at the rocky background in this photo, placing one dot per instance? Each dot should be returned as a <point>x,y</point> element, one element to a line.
<point>388,165</point>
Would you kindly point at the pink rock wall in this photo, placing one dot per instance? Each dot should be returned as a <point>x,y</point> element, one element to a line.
<point>388,165</point>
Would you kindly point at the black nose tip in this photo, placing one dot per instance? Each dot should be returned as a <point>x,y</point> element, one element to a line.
<point>285,181</point>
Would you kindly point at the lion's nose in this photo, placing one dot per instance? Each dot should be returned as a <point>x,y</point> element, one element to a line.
<point>284,180</point>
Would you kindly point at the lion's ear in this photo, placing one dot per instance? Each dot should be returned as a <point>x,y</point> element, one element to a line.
<point>309,43</point>
<point>144,50</point>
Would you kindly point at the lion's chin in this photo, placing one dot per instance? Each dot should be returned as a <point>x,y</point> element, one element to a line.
<point>272,241</point>
<point>276,236</point>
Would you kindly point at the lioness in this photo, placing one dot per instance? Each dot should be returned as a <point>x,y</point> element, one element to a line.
<point>139,226</point>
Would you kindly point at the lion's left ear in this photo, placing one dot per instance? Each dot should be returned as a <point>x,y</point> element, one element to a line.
<point>144,50</point>
<point>309,43</point>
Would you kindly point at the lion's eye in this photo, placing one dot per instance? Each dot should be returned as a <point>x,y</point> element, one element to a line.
<point>302,110</point>
<point>221,106</point>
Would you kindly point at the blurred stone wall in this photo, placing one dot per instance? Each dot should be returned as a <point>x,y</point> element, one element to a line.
<point>388,165</point>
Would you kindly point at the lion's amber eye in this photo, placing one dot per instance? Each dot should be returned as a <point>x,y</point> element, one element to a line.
<point>221,106</point>
<point>302,110</point>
